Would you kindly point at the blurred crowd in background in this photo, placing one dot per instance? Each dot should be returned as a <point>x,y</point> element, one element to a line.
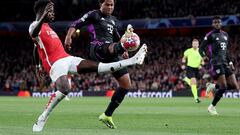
<point>124,9</point>
<point>162,68</point>
<point>161,71</point>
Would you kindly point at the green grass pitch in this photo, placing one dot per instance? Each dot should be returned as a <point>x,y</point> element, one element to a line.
<point>136,116</point>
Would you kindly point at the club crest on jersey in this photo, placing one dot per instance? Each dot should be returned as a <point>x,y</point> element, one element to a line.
<point>102,19</point>
<point>217,38</point>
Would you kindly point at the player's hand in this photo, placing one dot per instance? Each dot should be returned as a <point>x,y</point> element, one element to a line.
<point>205,59</point>
<point>67,43</point>
<point>47,9</point>
<point>125,55</point>
<point>130,28</point>
<point>232,67</point>
<point>39,73</point>
<point>183,67</point>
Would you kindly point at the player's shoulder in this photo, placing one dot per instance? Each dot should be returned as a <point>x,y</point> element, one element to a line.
<point>208,35</point>
<point>224,32</point>
<point>187,50</point>
<point>93,14</point>
<point>32,26</point>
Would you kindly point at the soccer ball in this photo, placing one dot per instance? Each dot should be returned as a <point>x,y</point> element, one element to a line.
<point>130,41</point>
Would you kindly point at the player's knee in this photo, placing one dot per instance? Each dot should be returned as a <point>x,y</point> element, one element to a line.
<point>87,66</point>
<point>64,87</point>
<point>126,86</point>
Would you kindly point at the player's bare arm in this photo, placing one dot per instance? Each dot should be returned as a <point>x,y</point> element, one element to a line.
<point>40,21</point>
<point>68,39</point>
<point>184,60</point>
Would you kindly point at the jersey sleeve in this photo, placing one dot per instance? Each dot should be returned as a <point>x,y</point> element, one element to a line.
<point>204,44</point>
<point>116,35</point>
<point>185,54</point>
<point>87,18</point>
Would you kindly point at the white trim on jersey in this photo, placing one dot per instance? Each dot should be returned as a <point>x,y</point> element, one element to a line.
<point>40,43</point>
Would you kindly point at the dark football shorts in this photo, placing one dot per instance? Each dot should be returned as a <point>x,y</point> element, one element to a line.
<point>218,70</point>
<point>101,53</point>
<point>193,72</point>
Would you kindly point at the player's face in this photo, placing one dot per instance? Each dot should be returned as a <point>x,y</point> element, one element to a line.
<point>107,7</point>
<point>51,14</point>
<point>195,44</point>
<point>217,23</point>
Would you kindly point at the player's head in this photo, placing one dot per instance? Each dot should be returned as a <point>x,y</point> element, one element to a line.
<point>40,6</point>
<point>195,43</point>
<point>217,22</point>
<point>107,6</point>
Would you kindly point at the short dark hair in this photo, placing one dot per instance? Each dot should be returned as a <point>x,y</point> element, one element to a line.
<point>195,40</point>
<point>102,1</point>
<point>40,5</point>
<point>217,17</point>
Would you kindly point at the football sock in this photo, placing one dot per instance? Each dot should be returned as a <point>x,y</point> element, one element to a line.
<point>194,91</point>
<point>187,80</point>
<point>55,98</point>
<point>218,96</point>
<point>116,100</point>
<point>114,66</point>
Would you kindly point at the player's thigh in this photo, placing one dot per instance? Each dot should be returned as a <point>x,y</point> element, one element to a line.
<point>74,63</point>
<point>222,81</point>
<point>190,72</point>
<point>196,76</point>
<point>232,81</point>
<point>101,53</point>
<point>59,68</point>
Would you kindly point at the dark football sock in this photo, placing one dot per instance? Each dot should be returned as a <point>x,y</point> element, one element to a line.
<point>218,96</point>
<point>116,100</point>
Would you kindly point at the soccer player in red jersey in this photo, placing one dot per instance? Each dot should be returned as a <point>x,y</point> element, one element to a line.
<point>58,64</point>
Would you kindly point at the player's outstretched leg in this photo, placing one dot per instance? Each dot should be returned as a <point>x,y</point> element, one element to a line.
<point>138,58</point>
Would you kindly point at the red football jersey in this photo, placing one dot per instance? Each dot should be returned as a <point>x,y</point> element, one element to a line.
<point>50,48</point>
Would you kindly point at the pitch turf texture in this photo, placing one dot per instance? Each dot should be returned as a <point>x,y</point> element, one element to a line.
<point>136,116</point>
